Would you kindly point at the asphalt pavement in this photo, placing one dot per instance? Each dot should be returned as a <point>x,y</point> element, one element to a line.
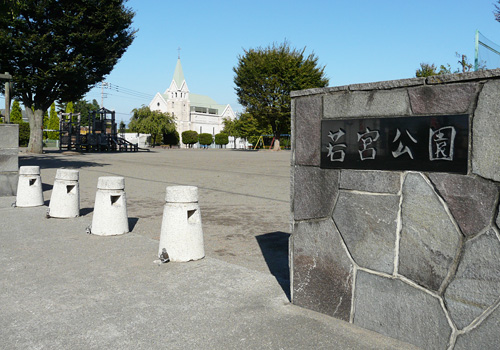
<point>62,288</point>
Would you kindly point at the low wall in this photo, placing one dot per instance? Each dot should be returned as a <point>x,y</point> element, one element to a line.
<point>401,234</point>
<point>9,165</point>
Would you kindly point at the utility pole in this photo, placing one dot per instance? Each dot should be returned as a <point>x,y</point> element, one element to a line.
<point>103,84</point>
<point>8,93</point>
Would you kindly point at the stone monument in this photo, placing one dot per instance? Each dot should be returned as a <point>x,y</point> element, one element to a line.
<point>394,202</point>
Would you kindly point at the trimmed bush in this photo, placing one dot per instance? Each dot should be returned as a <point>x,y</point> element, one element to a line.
<point>24,134</point>
<point>189,137</point>
<point>171,138</point>
<point>206,139</point>
<point>221,139</point>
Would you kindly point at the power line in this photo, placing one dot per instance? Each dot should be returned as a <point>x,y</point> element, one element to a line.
<point>124,90</point>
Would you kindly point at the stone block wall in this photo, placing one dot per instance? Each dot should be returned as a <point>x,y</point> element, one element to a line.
<point>412,255</point>
<point>9,166</point>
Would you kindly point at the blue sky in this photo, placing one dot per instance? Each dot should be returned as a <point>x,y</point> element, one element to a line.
<point>359,41</point>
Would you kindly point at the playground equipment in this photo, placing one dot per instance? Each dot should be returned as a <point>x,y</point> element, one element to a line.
<point>100,135</point>
<point>267,141</point>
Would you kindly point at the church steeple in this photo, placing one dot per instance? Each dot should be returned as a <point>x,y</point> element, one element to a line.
<point>178,74</point>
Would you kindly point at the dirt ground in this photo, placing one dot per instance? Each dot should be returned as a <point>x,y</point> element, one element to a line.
<point>244,196</point>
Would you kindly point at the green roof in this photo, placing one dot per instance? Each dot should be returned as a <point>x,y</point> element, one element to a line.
<point>178,74</point>
<point>205,101</point>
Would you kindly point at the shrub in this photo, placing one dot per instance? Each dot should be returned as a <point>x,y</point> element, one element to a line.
<point>24,134</point>
<point>206,139</point>
<point>221,139</point>
<point>189,137</point>
<point>171,138</point>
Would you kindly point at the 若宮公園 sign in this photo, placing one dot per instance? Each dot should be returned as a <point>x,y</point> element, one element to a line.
<point>427,143</point>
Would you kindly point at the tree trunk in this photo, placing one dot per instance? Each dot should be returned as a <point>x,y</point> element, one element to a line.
<point>36,130</point>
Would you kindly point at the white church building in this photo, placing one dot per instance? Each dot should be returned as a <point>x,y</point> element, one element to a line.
<point>191,111</point>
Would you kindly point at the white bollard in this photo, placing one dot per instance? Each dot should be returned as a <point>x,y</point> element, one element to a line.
<point>181,232</point>
<point>29,187</point>
<point>110,208</point>
<point>65,199</point>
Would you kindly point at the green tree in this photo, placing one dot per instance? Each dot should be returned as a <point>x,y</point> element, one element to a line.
<point>426,70</point>
<point>248,128</point>
<point>84,107</point>
<point>24,134</point>
<point>70,108</point>
<point>53,123</point>
<point>206,139</point>
<point>16,114</point>
<point>151,122</point>
<point>57,50</point>
<point>231,128</point>
<point>189,138</point>
<point>264,78</point>
<point>221,139</point>
<point>171,138</point>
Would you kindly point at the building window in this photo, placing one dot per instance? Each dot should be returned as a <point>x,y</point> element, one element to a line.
<point>158,104</point>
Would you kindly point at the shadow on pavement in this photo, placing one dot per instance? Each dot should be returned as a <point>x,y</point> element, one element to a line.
<point>274,247</point>
<point>50,162</point>
<point>86,211</point>
<point>131,223</point>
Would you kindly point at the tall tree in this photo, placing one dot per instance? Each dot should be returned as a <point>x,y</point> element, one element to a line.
<point>84,107</point>
<point>151,122</point>
<point>57,50</point>
<point>248,128</point>
<point>230,128</point>
<point>53,123</point>
<point>16,114</point>
<point>264,78</point>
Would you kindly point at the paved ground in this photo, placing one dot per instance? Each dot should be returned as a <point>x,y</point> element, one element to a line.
<point>62,288</point>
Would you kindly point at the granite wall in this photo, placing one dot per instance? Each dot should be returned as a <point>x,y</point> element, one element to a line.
<point>412,255</point>
<point>9,165</point>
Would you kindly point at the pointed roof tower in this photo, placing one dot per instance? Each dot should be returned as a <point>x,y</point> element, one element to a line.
<point>178,74</point>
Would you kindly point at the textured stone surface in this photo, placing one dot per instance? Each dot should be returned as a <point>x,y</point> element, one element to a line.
<point>9,136</point>
<point>388,84</point>
<point>381,103</point>
<point>485,337</point>
<point>443,99</point>
<point>314,192</point>
<point>394,308</point>
<point>9,159</point>
<point>451,78</point>
<point>322,271</point>
<point>429,241</point>
<point>477,282</point>
<point>371,236</point>
<point>370,181</point>
<point>316,91</point>
<point>471,200</point>
<point>308,111</point>
<point>486,132</point>
<point>8,183</point>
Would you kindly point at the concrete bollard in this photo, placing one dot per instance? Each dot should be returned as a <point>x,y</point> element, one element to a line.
<point>110,208</point>
<point>65,199</point>
<point>181,232</point>
<point>29,187</point>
